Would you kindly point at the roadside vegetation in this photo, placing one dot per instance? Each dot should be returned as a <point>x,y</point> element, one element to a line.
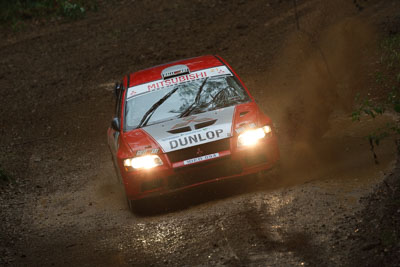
<point>5,178</point>
<point>15,13</point>
<point>387,80</point>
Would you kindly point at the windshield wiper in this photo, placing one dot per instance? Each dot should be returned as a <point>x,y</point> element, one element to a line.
<point>146,117</point>
<point>192,106</point>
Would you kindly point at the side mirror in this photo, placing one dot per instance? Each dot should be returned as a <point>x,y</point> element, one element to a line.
<point>115,124</point>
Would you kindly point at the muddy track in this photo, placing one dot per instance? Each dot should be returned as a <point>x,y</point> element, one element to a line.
<point>56,105</point>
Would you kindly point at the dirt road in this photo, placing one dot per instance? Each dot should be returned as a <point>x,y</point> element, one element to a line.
<point>56,104</point>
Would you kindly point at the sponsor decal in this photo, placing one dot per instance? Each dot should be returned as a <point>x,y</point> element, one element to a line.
<point>202,158</point>
<point>168,141</point>
<point>160,84</point>
<point>194,139</point>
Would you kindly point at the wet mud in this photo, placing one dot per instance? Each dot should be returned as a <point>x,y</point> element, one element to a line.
<point>68,209</point>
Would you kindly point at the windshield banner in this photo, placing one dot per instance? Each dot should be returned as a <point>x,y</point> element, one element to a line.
<point>160,84</point>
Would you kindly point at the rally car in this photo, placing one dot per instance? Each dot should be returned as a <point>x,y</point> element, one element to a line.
<point>187,123</point>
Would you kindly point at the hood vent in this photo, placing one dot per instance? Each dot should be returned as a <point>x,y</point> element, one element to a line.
<point>196,126</point>
<point>243,113</point>
<point>204,124</point>
<point>180,130</point>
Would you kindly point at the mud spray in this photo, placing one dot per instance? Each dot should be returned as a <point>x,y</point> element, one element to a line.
<point>321,68</point>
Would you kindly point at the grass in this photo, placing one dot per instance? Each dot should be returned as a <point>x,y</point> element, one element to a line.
<point>389,237</point>
<point>391,52</point>
<point>387,78</point>
<point>4,177</point>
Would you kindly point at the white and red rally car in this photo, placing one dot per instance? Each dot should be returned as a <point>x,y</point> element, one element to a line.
<point>187,123</point>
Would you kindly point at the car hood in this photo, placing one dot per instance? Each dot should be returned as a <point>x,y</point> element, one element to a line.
<point>192,130</point>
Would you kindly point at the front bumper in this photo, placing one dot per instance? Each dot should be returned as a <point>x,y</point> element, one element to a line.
<point>175,175</point>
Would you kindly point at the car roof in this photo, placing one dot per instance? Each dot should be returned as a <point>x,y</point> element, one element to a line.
<point>154,73</point>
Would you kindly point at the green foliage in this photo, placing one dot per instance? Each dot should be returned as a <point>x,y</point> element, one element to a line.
<point>13,12</point>
<point>366,106</point>
<point>391,51</point>
<point>389,237</point>
<point>389,80</point>
<point>4,177</point>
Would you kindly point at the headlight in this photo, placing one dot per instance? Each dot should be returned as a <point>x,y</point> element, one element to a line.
<point>145,162</point>
<point>251,137</point>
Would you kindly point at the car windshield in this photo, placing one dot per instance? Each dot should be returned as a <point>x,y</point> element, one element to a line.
<point>186,98</point>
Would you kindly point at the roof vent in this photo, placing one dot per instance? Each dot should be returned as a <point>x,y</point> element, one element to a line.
<point>175,71</point>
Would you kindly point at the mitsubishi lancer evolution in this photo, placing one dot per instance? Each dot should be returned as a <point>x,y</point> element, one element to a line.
<point>187,123</point>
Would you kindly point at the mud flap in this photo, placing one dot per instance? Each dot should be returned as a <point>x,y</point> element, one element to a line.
<point>131,205</point>
<point>271,176</point>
